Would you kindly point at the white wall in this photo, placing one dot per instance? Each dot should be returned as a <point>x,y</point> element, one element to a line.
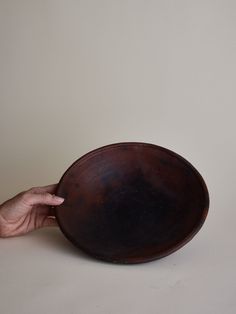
<point>76,75</point>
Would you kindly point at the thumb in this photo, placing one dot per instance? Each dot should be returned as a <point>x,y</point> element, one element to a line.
<point>31,199</point>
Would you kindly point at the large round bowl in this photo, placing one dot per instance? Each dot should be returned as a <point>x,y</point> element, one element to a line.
<point>131,202</point>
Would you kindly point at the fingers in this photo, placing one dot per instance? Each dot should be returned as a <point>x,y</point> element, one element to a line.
<point>44,189</point>
<point>45,210</point>
<point>51,211</point>
<point>31,199</point>
<point>50,222</point>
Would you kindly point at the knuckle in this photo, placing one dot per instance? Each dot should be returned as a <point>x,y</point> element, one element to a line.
<point>33,190</point>
<point>26,197</point>
<point>46,197</point>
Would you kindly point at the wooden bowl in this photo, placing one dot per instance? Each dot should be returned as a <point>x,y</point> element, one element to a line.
<point>131,202</point>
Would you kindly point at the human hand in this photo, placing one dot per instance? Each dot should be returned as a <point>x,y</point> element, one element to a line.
<point>28,211</point>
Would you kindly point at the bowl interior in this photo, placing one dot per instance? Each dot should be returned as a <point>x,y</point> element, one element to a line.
<point>131,202</point>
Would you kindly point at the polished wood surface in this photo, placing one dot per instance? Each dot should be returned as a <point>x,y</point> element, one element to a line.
<point>131,202</point>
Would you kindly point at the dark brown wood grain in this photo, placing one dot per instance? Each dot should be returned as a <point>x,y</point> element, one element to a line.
<point>131,202</point>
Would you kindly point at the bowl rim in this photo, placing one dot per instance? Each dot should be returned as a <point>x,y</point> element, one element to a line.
<point>190,235</point>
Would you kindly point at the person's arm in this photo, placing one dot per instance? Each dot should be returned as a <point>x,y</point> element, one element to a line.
<point>28,210</point>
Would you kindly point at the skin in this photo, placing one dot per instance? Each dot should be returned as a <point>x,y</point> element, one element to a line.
<point>28,211</point>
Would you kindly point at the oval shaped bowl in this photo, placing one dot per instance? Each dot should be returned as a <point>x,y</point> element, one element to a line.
<point>131,202</point>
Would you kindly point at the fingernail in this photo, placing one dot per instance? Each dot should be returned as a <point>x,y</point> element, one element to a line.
<point>58,199</point>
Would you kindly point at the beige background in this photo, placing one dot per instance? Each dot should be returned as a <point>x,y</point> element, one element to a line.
<point>76,75</point>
